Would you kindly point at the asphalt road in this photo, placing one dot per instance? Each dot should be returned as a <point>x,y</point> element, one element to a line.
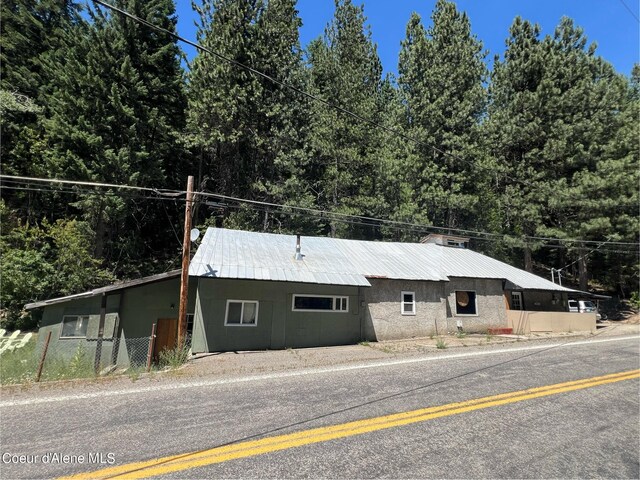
<point>591,431</point>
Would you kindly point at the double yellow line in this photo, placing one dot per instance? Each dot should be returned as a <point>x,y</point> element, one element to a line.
<point>175,463</point>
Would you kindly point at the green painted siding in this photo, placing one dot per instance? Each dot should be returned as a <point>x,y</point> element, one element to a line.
<point>277,326</point>
<point>138,308</point>
<point>142,306</point>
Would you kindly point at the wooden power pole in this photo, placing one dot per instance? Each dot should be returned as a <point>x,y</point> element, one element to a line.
<point>184,281</point>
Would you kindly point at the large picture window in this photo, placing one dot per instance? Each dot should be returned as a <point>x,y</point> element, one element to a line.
<point>320,303</point>
<point>466,302</point>
<point>241,313</point>
<point>408,303</point>
<point>74,326</point>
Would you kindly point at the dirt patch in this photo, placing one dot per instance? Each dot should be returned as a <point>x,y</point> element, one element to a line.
<point>632,319</point>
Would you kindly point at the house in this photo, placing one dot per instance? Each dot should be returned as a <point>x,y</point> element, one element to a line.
<point>130,310</point>
<point>252,291</point>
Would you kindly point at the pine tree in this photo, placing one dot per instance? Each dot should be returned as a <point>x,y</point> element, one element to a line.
<point>345,70</point>
<point>220,95</point>
<point>116,115</point>
<point>249,131</point>
<point>280,156</point>
<point>516,133</point>
<point>441,71</point>
<point>555,107</point>
<point>32,32</point>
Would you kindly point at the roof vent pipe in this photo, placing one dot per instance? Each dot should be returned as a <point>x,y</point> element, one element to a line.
<point>298,254</point>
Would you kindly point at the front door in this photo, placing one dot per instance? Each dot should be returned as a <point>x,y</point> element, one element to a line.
<point>516,300</point>
<point>166,335</point>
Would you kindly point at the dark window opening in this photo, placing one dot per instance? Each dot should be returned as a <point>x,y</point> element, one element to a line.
<point>466,303</point>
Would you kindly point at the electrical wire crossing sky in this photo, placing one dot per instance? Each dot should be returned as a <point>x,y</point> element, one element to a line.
<point>612,24</point>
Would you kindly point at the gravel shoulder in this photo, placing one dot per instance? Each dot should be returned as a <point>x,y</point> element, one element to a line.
<point>254,363</point>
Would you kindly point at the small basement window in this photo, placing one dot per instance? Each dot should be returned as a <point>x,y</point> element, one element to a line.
<point>74,326</point>
<point>241,313</point>
<point>320,303</point>
<point>408,303</point>
<point>466,302</point>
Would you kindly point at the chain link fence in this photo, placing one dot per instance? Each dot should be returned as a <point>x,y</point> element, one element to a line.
<point>82,358</point>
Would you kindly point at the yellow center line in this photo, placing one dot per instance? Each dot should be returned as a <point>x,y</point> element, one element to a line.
<point>174,463</point>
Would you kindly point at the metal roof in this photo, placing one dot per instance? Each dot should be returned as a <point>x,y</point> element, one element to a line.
<point>462,262</point>
<point>239,254</point>
<point>265,256</point>
<point>109,288</point>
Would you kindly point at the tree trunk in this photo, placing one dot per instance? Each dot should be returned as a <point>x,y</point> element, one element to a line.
<point>582,272</point>
<point>528,261</point>
<point>100,232</point>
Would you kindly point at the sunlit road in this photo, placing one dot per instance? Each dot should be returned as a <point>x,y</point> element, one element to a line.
<point>568,411</point>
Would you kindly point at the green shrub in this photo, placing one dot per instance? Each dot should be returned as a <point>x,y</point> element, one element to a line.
<point>635,300</point>
<point>441,344</point>
<point>175,357</point>
<point>60,368</point>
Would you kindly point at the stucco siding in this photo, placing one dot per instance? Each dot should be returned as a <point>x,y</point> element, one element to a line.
<point>383,319</point>
<point>490,304</point>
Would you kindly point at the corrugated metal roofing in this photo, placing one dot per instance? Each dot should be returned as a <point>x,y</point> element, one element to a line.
<point>109,288</point>
<point>462,262</point>
<point>227,253</point>
<point>265,256</point>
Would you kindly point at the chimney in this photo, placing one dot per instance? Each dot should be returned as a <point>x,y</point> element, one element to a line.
<point>298,255</point>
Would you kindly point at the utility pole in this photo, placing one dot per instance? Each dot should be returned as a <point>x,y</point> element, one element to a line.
<point>184,281</point>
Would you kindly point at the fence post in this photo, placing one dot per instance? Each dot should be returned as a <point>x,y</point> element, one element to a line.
<point>103,313</point>
<point>42,357</point>
<point>152,341</point>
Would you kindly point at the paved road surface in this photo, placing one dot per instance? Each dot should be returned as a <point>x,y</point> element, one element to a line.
<point>299,426</point>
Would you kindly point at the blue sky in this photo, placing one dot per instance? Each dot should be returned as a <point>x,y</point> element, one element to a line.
<point>612,24</point>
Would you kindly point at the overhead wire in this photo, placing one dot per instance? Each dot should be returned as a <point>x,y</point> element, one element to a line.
<point>169,194</point>
<point>313,97</point>
<point>630,11</point>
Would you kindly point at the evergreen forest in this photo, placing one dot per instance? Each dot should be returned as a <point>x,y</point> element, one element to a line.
<point>532,154</point>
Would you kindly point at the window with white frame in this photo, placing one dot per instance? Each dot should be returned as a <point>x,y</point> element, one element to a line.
<point>516,300</point>
<point>241,313</point>
<point>74,326</point>
<point>408,303</point>
<point>466,303</point>
<point>320,303</point>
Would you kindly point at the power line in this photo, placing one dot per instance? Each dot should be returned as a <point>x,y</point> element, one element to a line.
<point>168,194</point>
<point>630,11</point>
<point>313,97</point>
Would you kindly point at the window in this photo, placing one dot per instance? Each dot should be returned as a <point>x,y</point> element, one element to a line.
<point>319,303</point>
<point>408,303</point>
<point>190,317</point>
<point>466,303</point>
<point>455,243</point>
<point>241,313</point>
<point>74,326</point>
<point>516,300</point>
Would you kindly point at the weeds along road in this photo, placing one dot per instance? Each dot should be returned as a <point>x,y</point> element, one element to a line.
<point>569,411</point>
